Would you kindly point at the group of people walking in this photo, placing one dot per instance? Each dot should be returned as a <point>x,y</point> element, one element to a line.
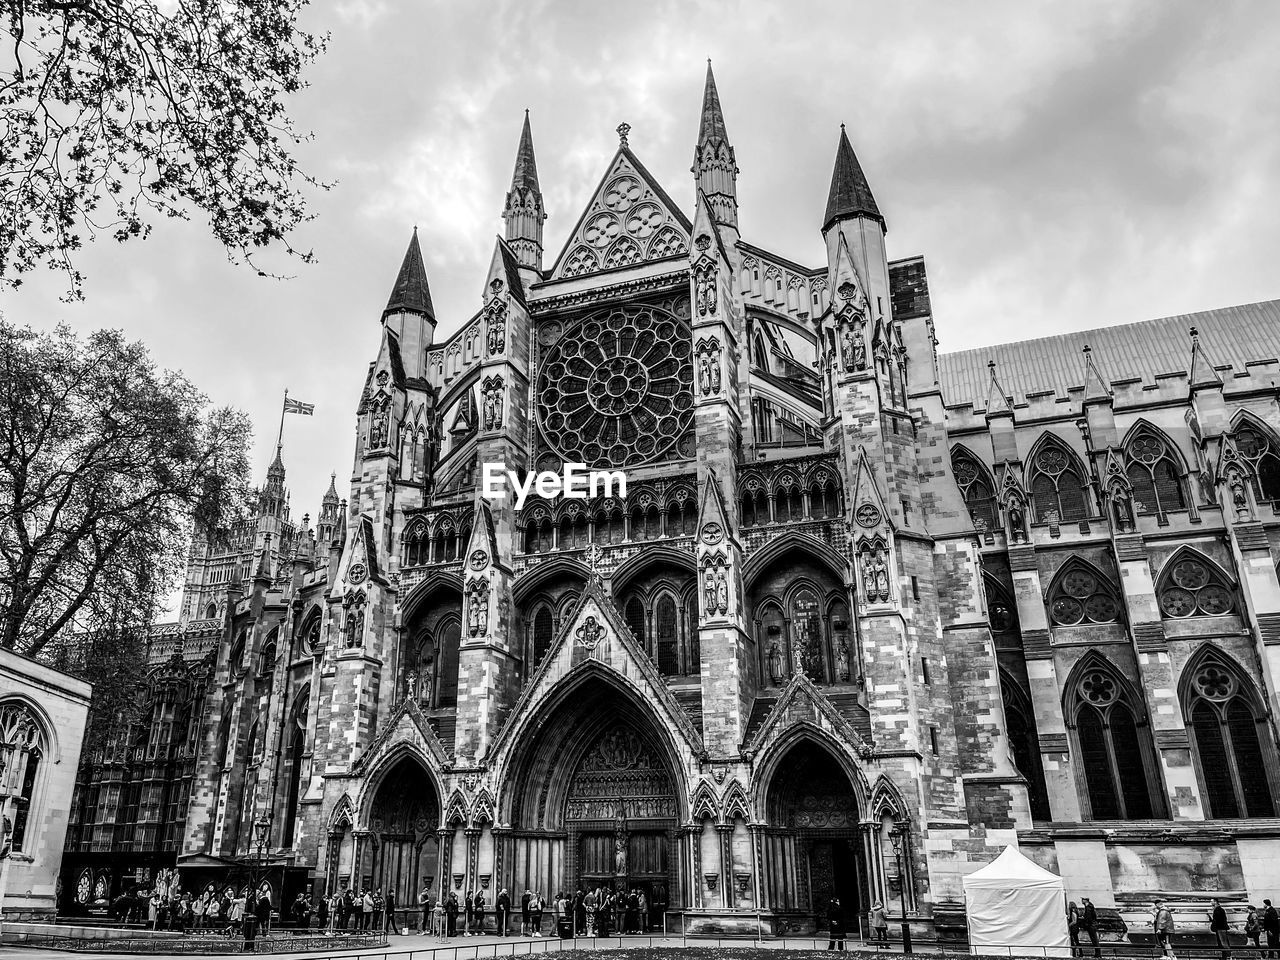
<point>1258,923</point>
<point>359,910</point>
<point>598,912</point>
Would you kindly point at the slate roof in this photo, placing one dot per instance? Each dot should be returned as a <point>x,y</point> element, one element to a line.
<point>1230,336</point>
<point>410,293</point>
<point>850,194</point>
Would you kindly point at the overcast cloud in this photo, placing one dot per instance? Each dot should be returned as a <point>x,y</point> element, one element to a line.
<point>1058,165</point>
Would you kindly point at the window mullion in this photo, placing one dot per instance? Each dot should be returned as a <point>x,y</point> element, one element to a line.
<point>1116,783</point>
<point>1233,766</point>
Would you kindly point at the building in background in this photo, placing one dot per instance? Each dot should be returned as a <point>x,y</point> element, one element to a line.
<point>865,615</point>
<point>42,719</point>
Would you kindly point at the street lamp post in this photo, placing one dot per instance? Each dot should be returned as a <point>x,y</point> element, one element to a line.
<point>897,835</point>
<point>261,835</point>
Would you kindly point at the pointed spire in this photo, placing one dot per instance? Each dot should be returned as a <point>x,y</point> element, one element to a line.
<point>714,165</point>
<point>997,399</point>
<point>712,124</point>
<point>411,293</point>
<point>264,561</point>
<point>1203,372</point>
<point>276,470</point>
<point>524,211</point>
<point>525,176</point>
<point>850,194</point>
<point>1095,384</point>
<point>331,495</point>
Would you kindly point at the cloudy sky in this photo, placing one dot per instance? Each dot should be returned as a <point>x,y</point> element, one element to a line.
<point>1059,166</point>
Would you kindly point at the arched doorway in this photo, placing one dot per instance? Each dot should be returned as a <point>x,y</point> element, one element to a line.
<point>596,801</point>
<point>814,849</point>
<point>403,849</point>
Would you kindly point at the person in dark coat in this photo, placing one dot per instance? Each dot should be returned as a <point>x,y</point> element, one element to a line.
<point>390,907</point>
<point>604,914</point>
<point>835,925</point>
<point>632,922</point>
<point>478,912</point>
<point>263,911</point>
<point>451,915</point>
<point>502,909</point>
<point>524,912</point>
<point>1089,924</point>
<point>579,914</point>
<point>1219,927</point>
<point>1271,927</point>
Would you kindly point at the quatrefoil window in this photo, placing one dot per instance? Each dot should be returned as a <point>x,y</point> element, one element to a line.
<point>622,193</point>
<point>602,230</point>
<point>644,220</point>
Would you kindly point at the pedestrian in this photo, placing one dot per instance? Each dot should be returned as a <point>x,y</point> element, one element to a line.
<point>524,912</point>
<point>424,904</point>
<point>378,905</point>
<point>1271,927</point>
<point>322,913</point>
<point>390,907</point>
<point>643,905</point>
<point>1089,924</point>
<point>262,911</point>
<point>478,912</point>
<point>451,915</point>
<point>348,906</point>
<point>366,910</point>
<point>502,907</point>
<point>604,914</point>
<point>535,914</point>
<point>879,922</point>
<point>1252,926</point>
<point>437,920</point>
<point>469,912</point>
<point>1219,927</point>
<point>197,911</point>
<point>1073,926</point>
<point>835,925</point>
<point>1162,924</point>
<point>579,913</point>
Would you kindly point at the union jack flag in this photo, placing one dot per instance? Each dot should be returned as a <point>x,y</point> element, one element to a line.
<point>297,406</point>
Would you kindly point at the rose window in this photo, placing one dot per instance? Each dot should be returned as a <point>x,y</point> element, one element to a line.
<point>83,886</point>
<point>616,390</point>
<point>622,193</point>
<point>1193,589</point>
<point>643,220</point>
<point>1098,688</point>
<point>601,230</point>
<point>1214,683</point>
<point>1081,597</point>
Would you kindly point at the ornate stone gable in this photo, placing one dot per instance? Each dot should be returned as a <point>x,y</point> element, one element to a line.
<point>595,636</point>
<point>629,220</point>
<point>801,702</point>
<point>406,725</point>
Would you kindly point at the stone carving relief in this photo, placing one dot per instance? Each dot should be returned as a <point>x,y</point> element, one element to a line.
<point>491,404</point>
<point>379,429</point>
<point>715,586</point>
<point>478,607</point>
<point>708,354</point>
<point>354,613</point>
<point>590,632</point>
<point>705,286</point>
<point>874,564</point>
<point>496,328</point>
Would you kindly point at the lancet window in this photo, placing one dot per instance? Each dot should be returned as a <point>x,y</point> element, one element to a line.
<point>1154,474</point>
<point>1233,743</point>
<point>1057,483</point>
<point>1113,745</point>
<point>1259,447</point>
<point>667,626</point>
<point>977,488</point>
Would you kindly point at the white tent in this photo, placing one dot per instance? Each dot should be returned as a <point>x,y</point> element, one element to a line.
<point>1016,907</point>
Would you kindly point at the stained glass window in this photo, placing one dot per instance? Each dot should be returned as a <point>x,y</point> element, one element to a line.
<point>1230,738</point>
<point>1112,758</point>
<point>1154,475</point>
<point>1192,587</point>
<point>1079,595</point>
<point>1258,447</point>
<point>977,489</point>
<point>1057,484</point>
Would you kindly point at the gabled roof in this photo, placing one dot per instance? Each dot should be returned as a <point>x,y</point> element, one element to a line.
<point>410,294</point>
<point>850,194</point>
<point>630,219</point>
<point>1232,336</point>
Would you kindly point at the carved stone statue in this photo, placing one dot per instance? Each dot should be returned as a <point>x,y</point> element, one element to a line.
<point>486,407</point>
<point>496,333</point>
<point>710,589</point>
<point>715,372</point>
<point>1239,499</point>
<point>882,576</point>
<point>722,590</point>
<point>842,659</point>
<point>355,625</point>
<point>776,665</point>
<point>704,374</point>
<point>859,350</point>
<point>478,607</point>
<point>620,854</point>
<point>1017,522</point>
<point>1123,507</point>
<point>847,341</point>
<point>379,429</point>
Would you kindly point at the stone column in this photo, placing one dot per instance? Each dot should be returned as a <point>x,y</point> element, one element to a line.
<point>727,895</point>
<point>443,881</point>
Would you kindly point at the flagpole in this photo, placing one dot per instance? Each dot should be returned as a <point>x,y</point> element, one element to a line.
<point>283,406</point>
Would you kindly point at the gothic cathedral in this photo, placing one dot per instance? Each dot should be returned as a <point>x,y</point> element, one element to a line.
<point>865,615</point>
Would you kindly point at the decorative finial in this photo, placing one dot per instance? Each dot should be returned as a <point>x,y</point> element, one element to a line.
<point>593,555</point>
<point>1195,334</point>
<point>623,130</point>
<point>842,128</point>
<point>1087,350</point>
<point>991,365</point>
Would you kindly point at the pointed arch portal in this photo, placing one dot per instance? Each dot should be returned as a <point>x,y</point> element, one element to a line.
<point>816,847</point>
<point>596,799</point>
<point>401,851</point>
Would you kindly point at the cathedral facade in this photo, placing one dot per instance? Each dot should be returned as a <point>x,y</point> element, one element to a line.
<point>865,615</point>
